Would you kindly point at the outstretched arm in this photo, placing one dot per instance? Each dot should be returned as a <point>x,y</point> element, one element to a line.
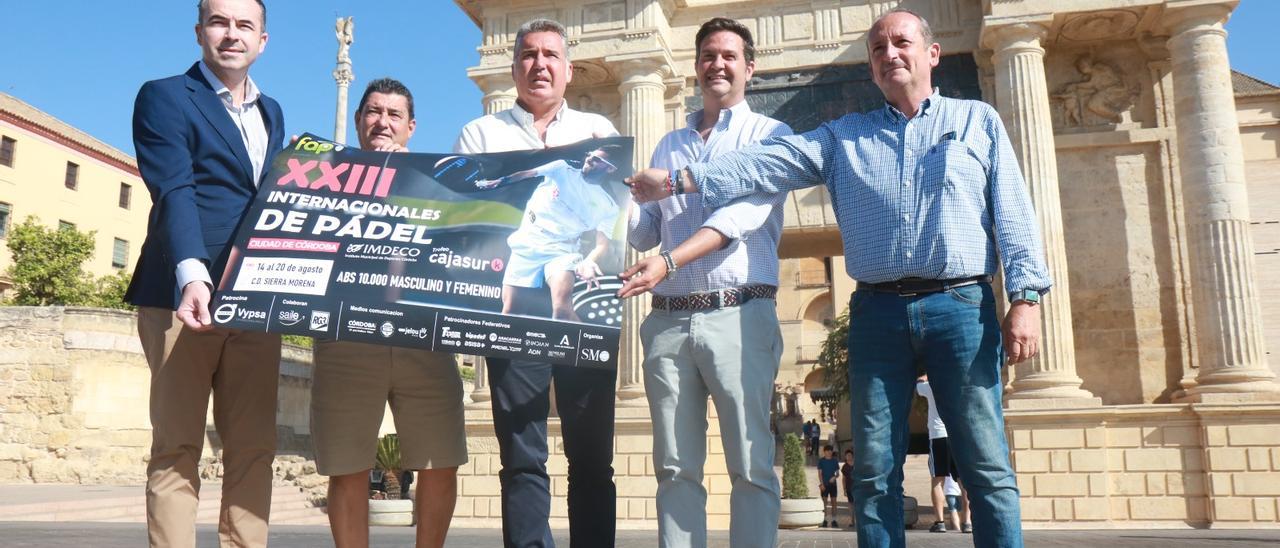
<point>779,164</point>
<point>507,179</point>
<point>646,274</point>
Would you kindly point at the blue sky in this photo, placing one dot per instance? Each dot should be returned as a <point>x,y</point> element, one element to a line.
<point>83,60</point>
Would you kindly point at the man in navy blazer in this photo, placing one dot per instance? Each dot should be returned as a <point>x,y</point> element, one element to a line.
<point>204,139</point>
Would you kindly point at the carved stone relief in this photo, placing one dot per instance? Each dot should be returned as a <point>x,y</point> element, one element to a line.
<point>603,16</point>
<point>1102,95</point>
<point>590,73</point>
<point>1100,25</point>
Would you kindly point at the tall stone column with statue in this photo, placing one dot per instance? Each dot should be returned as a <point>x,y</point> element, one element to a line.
<point>344,30</point>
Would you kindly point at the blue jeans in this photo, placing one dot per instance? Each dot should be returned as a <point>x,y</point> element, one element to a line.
<point>954,336</point>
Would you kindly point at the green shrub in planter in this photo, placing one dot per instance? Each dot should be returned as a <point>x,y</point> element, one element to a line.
<point>794,485</point>
<point>388,460</point>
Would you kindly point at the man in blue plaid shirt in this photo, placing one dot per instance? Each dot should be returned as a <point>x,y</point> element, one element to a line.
<point>928,196</point>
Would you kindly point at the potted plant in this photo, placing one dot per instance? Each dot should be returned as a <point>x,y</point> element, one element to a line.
<point>798,508</point>
<point>392,510</point>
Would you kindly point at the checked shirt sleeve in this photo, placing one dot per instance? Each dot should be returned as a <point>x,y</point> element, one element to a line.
<point>739,218</point>
<point>1017,231</point>
<point>779,164</point>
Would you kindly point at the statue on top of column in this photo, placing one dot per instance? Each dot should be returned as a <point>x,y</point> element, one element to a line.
<point>345,32</point>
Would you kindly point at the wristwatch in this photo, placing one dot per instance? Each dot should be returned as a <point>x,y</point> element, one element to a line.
<point>1029,296</point>
<point>671,264</point>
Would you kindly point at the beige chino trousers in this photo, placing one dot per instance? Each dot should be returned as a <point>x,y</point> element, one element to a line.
<point>241,369</point>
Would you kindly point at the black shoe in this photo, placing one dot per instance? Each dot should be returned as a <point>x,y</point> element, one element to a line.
<point>966,528</point>
<point>938,527</point>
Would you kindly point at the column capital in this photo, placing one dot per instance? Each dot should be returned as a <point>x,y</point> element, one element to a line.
<point>494,82</point>
<point>1156,47</point>
<point>499,91</point>
<point>344,75</point>
<point>636,71</point>
<point>1197,15</point>
<point>1004,33</point>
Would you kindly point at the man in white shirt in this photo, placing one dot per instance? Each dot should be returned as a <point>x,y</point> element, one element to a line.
<point>520,388</point>
<point>714,325</point>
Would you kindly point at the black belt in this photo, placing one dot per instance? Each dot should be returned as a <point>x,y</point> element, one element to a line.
<point>907,287</point>
<point>724,298</point>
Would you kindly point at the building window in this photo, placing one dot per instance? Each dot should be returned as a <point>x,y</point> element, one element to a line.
<point>120,254</point>
<point>7,147</point>
<point>73,175</point>
<point>126,195</point>
<point>64,225</point>
<point>5,211</point>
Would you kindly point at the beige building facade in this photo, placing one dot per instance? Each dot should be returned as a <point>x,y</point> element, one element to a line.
<point>1153,169</point>
<point>62,175</point>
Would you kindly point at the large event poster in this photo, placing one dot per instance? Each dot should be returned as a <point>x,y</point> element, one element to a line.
<point>512,254</point>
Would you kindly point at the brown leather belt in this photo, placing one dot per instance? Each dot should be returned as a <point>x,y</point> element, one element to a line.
<point>908,287</point>
<point>723,298</point>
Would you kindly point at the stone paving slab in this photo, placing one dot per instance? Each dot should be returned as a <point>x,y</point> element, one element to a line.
<point>111,535</point>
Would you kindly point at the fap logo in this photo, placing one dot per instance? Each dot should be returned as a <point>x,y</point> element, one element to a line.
<point>319,320</point>
<point>307,144</point>
<point>225,313</point>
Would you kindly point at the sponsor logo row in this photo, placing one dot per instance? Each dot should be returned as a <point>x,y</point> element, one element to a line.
<point>530,343</point>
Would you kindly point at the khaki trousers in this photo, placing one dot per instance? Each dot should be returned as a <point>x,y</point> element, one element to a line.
<point>732,355</point>
<point>242,370</point>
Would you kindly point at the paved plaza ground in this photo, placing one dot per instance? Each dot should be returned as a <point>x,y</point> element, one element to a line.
<point>132,535</point>
<point>67,510</point>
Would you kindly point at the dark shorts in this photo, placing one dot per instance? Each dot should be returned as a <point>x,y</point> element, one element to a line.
<point>940,462</point>
<point>827,489</point>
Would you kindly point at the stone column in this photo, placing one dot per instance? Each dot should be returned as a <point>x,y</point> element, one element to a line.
<point>1023,99</point>
<point>1228,319</point>
<point>343,75</point>
<point>643,96</point>
<point>499,92</point>
<point>480,393</point>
